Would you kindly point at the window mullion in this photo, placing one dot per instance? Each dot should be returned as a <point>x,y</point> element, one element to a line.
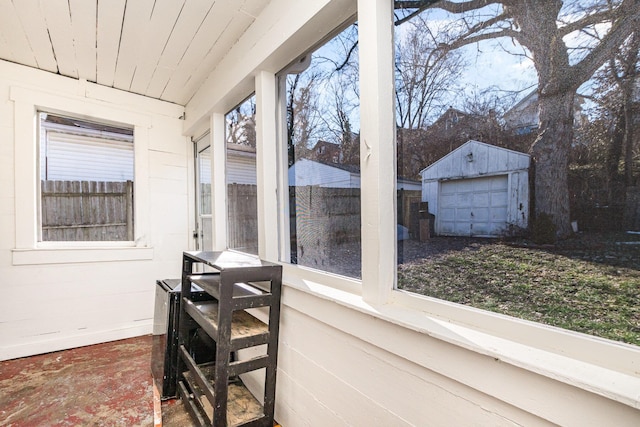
<point>377,149</point>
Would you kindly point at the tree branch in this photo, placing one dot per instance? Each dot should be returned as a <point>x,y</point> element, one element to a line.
<point>480,37</point>
<point>592,19</point>
<point>622,28</point>
<point>466,6</point>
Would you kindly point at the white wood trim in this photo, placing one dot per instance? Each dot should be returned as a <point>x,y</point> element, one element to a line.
<point>141,191</point>
<point>218,181</point>
<point>68,255</point>
<point>284,247</point>
<point>526,375</point>
<point>27,102</point>
<point>55,343</point>
<point>283,31</point>
<point>586,348</point>
<point>266,165</point>
<point>377,153</point>
<point>25,176</point>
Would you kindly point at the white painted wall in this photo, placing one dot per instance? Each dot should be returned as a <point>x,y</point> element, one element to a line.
<point>54,296</point>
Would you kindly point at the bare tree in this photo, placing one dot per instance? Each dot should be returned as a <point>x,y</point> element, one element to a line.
<point>303,118</point>
<point>541,27</point>
<point>241,124</point>
<point>425,75</point>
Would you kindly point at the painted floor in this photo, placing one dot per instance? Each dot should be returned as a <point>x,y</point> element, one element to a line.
<point>107,384</point>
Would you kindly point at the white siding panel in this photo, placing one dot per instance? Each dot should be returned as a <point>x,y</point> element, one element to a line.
<point>307,172</point>
<point>241,170</point>
<point>79,158</point>
<point>476,159</point>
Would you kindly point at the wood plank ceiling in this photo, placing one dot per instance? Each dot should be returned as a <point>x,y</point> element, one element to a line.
<point>162,49</point>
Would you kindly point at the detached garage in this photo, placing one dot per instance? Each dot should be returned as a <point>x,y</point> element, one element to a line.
<point>478,190</point>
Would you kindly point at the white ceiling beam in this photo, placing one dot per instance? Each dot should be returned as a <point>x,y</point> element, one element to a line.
<point>282,31</point>
<point>58,19</point>
<point>191,17</point>
<point>109,30</point>
<point>216,24</point>
<point>163,20</point>
<point>83,24</point>
<point>14,34</point>
<point>35,28</point>
<point>137,16</point>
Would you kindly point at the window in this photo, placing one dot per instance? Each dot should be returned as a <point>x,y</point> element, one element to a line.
<point>321,105</point>
<point>528,206</point>
<point>86,177</point>
<point>242,199</point>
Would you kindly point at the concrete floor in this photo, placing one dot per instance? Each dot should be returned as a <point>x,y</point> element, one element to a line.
<point>107,384</point>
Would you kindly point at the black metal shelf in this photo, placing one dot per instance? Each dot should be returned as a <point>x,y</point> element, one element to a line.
<point>213,393</point>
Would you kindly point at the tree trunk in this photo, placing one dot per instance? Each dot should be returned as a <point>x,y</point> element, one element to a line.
<point>556,92</point>
<point>550,156</point>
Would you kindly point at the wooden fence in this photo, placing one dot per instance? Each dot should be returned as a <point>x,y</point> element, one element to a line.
<point>87,211</point>
<point>242,200</point>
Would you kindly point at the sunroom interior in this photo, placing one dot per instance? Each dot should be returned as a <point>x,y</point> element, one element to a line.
<point>178,78</point>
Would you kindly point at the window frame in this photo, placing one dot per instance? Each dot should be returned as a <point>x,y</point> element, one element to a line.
<point>584,361</point>
<point>60,132</point>
<point>303,276</point>
<point>226,169</point>
<point>28,249</point>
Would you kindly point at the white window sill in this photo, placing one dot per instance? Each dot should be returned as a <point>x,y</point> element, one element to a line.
<point>607,369</point>
<point>70,255</point>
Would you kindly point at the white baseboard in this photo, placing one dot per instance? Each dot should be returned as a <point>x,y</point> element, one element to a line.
<point>57,342</point>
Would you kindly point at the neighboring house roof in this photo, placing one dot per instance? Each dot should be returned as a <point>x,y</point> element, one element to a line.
<point>523,117</point>
<point>326,173</point>
<point>475,158</point>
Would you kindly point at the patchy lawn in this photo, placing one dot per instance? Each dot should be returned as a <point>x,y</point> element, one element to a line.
<point>589,284</point>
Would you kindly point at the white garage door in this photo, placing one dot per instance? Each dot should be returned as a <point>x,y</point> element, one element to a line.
<point>473,207</point>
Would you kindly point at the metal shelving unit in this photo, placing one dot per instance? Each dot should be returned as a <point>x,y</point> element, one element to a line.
<point>214,393</point>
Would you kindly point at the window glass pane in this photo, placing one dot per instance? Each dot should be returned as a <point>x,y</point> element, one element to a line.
<point>242,201</point>
<point>86,175</point>
<point>205,221</point>
<point>323,124</point>
<point>522,138</point>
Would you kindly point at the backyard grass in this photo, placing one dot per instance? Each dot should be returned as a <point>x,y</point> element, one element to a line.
<point>589,284</point>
